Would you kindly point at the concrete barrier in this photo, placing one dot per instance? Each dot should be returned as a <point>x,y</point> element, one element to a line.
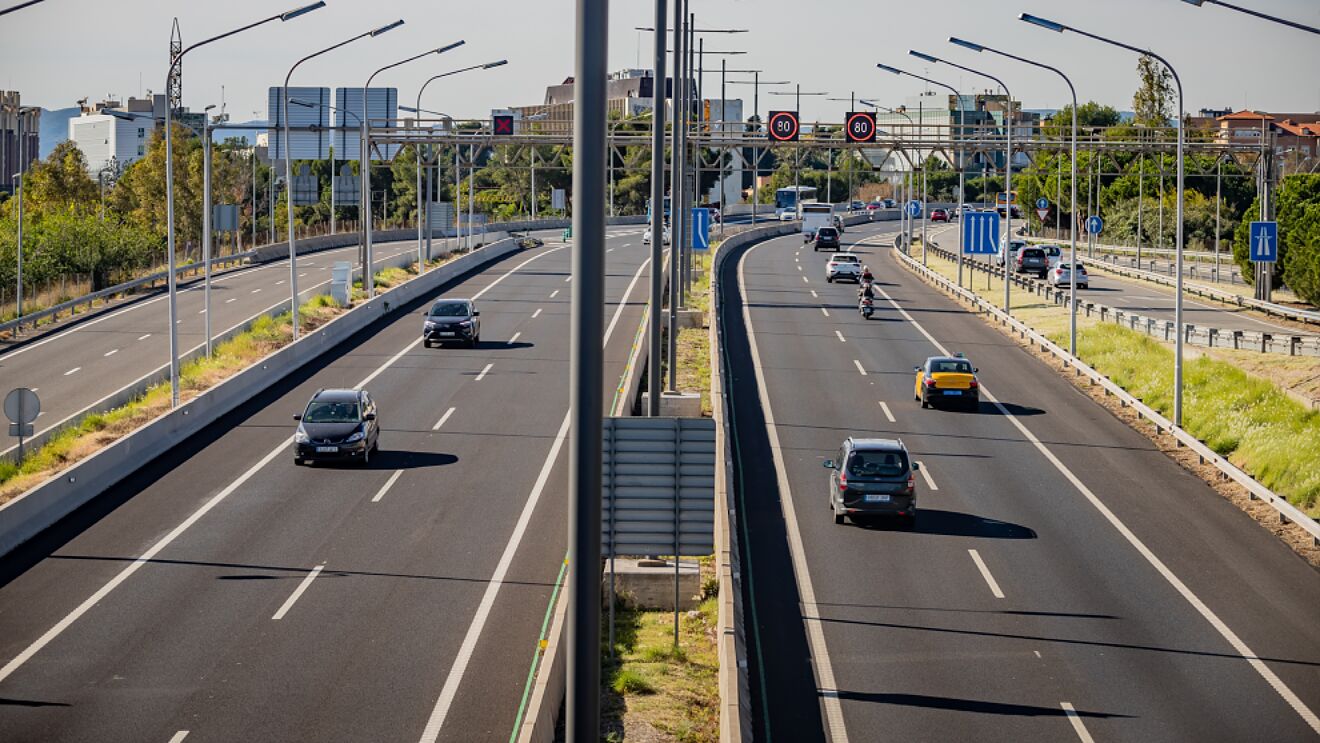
<point>41,507</point>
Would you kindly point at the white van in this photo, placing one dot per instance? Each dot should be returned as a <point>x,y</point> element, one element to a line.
<point>814,216</point>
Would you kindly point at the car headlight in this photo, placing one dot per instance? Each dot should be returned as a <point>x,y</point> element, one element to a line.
<point>300,436</point>
<point>465,324</point>
<point>355,437</point>
<point>428,325</point>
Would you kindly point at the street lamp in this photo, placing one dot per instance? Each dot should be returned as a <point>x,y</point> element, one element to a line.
<point>421,258</point>
<point>1178,231</point>
<point>1072,258</point>
<point>657,215</point>
<point>206,223</point>
<point>333,159</point>
<point>962,181</point>
<point>1256,13</point>
<point>904,223</point>
<point>797,151</point>
<point>756,84</point>
<point>20,6</point>
<point>288,168</point>
<point>169,186</point>
<point>368,273</point>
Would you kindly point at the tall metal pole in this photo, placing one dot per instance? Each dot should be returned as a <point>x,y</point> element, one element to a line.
<point>18,177</point>
<point>756,155</point>
<point>421,238</point>
<point>430,189</point>
<point>1219,175</point>
<point>534,181</point>
<point>1141,198</point>
<point>169,232</point>
<point>587,372</point>
<point>206,227</point>
<point>657,210</point>
<point>1008,195</point>
<point>333,174</point>
<point>252,157</point>
<point>676,189</point>
<point>288,215</point>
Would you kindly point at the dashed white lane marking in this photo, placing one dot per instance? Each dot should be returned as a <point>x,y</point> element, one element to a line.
<point>1037,652</point>
<point>925,475</point>
<point>388,484</point>
<point>178,322</point>
<point>824,312</point>
<point>568,278</point>
<point>814,295</point>
<point>281,281</point>
<point>537,313</point>
<point>257,290</point>
<point>231,299</point>
<point>74,370</point>
<point>515,338</point>
<point>985,573</point>
<point>442,420</point>
<point>301,275</point>
<point>859,366</point>
<point>609,250</point>
<point>885,409</point>
<point>840,336</point>
<point>1076,720</point>
<point>179,736</point>
<point>201,312</point>
<point>298,592</point>
<point>554,293</point>
<point>144,337</point>
<point>482,375</point>
<point>111,352</point>
<point>805,281</point>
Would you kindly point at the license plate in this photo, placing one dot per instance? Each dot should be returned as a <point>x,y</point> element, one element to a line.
<point>876,498</point>
<point>327,449</point>
<point>953,392</point>
<point>446,332</point>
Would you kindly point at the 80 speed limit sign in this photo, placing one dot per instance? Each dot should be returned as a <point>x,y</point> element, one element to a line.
<point>861,126</point>
<point>783,126</point>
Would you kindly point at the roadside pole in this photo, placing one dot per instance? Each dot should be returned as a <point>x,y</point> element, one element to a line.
<point>657,211</point>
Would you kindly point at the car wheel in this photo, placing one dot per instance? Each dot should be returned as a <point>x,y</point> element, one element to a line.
<point>297,461</point>
<point>925,403</point>
<point>908,523</point>
<point>426,343</point>
<point>829,279</point>
<point>839,517</point>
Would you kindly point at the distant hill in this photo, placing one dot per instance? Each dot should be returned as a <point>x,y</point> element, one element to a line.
<point>55,127</point>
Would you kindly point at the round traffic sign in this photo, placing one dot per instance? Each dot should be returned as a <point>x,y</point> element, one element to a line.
<point>861,126</point>
<point>1095,225</point>
<point>783,126</point>
<point>914,208</point>
<point>1042,203</point>
<point>22,406</point>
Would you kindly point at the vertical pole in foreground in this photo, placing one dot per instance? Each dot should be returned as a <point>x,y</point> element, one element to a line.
<point>206,225</point>
<point>586,373</point>
<point>657,211</point>
<point>676,183</point>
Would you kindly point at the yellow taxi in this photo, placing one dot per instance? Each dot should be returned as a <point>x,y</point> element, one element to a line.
<point>947,378</point>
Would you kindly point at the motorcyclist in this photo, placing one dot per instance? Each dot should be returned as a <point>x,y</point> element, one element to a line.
<point>865,295</point>
<point>866,275</point>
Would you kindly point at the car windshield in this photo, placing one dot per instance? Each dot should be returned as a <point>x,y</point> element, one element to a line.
<point>877,464</point>
<point>450,309</point>
<point>950,366</point>
<point>331,412</point>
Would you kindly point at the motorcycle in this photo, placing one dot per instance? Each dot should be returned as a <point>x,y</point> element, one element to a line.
<point>867,307</point>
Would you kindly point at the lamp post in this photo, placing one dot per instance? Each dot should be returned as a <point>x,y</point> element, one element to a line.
<point>169,186</point>
<point>1178,231</point>
<point>657,216</point>
<point>20,6</point>
<point>903,219</point>
<point>1256,13</point>
<point>310,104</point>
<point>206,223</point>
<point>1072,257</point>
<point>368,272</point>
<point>756,112</point>
<point>288,169</point>
<point>797,150</point>
<point>429,187</point>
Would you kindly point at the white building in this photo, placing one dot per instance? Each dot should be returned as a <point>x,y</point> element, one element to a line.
<point>104,139</point>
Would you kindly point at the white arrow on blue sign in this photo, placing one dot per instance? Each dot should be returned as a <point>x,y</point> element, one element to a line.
<point>980,233</point>
<point>1265,242</point>
<point>1095,225</point>
<point>914,208</point>
<point>701,229</point>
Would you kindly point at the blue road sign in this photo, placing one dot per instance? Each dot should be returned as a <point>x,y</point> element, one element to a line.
<point>1265,242</point>
<point>1042,203</point>
<point>914,208</point>
<point>701,229</point>
<point>980,233</point>
<point>1095,225</point>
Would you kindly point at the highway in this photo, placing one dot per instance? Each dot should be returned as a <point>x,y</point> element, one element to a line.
<point>78,366</point>
<point>227,593</point>
<point>1065,580</point>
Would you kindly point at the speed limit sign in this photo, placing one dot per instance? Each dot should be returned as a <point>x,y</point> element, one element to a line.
<point>783,126</point>
<point>861,126</point>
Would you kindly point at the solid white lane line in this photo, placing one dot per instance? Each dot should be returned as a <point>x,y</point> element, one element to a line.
<point>841,338</point>
<point>861,369</point>
<point>515,338</point>
<point>537,313</point>
<point>1247,654</point>
<point>825,683</point>
<point>824,312</point>
<point>554,293</point>
<point>144,337</point>
<point>388,484</point>
<point>179,736</point>
<point>298,592</point>
<point>888,414</point>
<point>985,573</point>
<point>74,370</point>
<point>1082,733</point>
<point>111,352</point>
<point>442,420</point>
<point>925,474</point>
<point>482,375</point>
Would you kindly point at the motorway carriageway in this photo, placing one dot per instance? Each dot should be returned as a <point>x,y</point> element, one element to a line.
<point>223,594</point>
<point>76,367</point>
<point>1065,581</point>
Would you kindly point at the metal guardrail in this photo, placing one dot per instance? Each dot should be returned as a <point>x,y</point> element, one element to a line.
<point>1287,511</point>
<point>1239,340</point>
<point>1232,277</point>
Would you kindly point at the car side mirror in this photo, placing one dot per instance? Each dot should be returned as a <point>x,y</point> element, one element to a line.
<point>975,370</point>
<point>916,369</point>
<point>476,313</point>
<point>297,416</point>
<point>916,466</point>
<point>828,464</point>
<point>369,417</point>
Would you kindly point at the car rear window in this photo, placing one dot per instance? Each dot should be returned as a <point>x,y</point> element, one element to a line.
<point>1033,253</point>
<point>845,258</point>
<point>950,366</point>
<point>827,232</point>
<point>877,464</point>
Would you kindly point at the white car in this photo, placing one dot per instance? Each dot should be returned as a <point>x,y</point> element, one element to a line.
<point>843,266</point>
<point>1053,253</point>
<point>787,215</point>
<point>965,209</point>
<point>838,223</point>
<point>1016,246</point>
<point>1061,275</point>
<point>646,236</point>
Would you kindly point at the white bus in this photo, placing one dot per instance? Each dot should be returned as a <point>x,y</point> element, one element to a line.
<point>790,197</point>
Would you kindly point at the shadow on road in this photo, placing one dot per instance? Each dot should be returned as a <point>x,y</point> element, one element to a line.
<point>975,706</point>
<point>953,524</point>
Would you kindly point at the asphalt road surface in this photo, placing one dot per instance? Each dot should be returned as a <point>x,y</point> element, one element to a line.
<point>227,593</point>
<point>1065,580</point>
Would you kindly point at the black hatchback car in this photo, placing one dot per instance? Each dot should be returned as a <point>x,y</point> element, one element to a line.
<point>452,320</point>
<point>337,425</point>
<point>873,477</point>
<point>827,238</point>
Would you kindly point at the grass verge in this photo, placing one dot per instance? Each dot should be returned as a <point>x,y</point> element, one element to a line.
<point>1248,419</point>
<point>694,343</point>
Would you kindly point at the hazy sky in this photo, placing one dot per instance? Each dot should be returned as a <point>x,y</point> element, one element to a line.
<point>63,50</point>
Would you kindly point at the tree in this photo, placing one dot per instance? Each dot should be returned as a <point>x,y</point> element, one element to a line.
<point>59,183</point>
<point>1089,114</point>
<point>1297,209</point>
<point>1153,102</point>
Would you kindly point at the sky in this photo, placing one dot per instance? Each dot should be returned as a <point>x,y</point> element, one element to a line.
<point>62,50</point>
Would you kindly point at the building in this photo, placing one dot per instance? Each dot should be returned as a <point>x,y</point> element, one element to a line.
<point>112,143</point>
<point>17,153</point>
<point>970,120</point>
<point>1296,135</point>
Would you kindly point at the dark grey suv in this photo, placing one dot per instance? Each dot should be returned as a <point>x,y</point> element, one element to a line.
<point>454,320</point>
<point>873,477</point>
